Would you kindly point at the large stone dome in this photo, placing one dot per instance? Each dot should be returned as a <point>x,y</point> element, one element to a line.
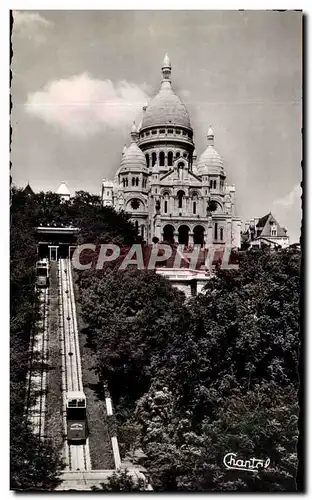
<point>166,108</point>
<point>210,162</point>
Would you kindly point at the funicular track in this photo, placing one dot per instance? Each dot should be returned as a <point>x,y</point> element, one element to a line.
<point>77,456</point>
<point>35,406</point>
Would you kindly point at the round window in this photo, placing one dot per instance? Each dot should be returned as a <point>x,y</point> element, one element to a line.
<point>135,204</point>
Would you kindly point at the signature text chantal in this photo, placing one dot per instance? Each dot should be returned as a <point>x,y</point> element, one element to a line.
<point>252,464</point>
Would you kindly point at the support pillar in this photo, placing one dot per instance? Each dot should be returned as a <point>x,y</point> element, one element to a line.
<point>209,239</point>
<point>191,239</point>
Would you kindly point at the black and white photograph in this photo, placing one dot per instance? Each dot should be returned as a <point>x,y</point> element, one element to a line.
<point>156,250</point>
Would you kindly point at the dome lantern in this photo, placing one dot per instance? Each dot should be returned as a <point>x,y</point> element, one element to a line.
<point>134,133</point>
<point>166,69</point>
<point>210,137</point>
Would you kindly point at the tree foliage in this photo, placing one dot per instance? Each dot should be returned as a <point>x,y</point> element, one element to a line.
<point>216,375</point>
<point>34,465</point>
<point>122,481</point>
<point>131,316</point>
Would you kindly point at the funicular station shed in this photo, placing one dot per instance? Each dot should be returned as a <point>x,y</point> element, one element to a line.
<point>55,242</point>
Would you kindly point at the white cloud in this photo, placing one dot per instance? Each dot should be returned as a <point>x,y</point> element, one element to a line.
<point>30,25</point>
<point>291,198</point>
<point>82,105</point>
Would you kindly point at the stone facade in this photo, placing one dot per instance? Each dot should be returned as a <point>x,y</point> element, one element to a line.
<point>171,195</point>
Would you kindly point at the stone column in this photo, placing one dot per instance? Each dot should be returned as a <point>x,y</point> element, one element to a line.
<point>228,237</point>
<point>209,239</point>
<point>171,205</point>
<point>176,237</point>
<point>191,239</point>
<point>157,227</point>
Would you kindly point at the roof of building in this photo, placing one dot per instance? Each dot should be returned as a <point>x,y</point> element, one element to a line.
<point>75,395</point>
<point>28,189</point>
<point>263,220</point>
<point>263,227</point>
<point>63,189</point>
<point>166,108</point>
<point>210,162</point>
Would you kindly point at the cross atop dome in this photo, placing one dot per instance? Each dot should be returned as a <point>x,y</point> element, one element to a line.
<point>166,69</point>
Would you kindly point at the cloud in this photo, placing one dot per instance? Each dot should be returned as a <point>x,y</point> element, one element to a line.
<point>82,105</point>
<point>291,198</point>
<point>30,25</point>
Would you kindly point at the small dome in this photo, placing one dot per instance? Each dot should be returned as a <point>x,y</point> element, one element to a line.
<point>210,162</point>
<point>133,159</point>
<point>166,108</point>
<point>63,190</point>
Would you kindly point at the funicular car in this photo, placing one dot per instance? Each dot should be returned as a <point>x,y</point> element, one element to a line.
<point>76,416</point>
<point>42,273</point>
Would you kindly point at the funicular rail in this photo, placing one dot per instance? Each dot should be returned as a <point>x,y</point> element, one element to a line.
<point>77,456</point>
<point>35,407</point>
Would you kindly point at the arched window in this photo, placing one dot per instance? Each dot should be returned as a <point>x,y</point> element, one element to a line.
<point>194,207</point>
<point>154,159</point>
<point>170,158</point>
<point>168,234</point>
<point>216,231</point>
<point>198,235</point>
<point>147,160</point>
<point>133,181</point>
<point>214,184</point>
<point>137,181</point>
<point>166,206</point>
<point>178,154</point>
<point>123,182</point>
<point>161,159</point>
<point>180,195</point>
<point>183,235</point>
<point>221,233</point>
<point>136,226</point>
<point>211,182</point>
<point>126,182</point>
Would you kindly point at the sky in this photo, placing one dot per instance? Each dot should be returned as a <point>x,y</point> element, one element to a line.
<point>80,78</point>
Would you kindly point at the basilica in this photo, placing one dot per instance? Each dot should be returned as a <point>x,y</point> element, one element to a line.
<point>171,195</point>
